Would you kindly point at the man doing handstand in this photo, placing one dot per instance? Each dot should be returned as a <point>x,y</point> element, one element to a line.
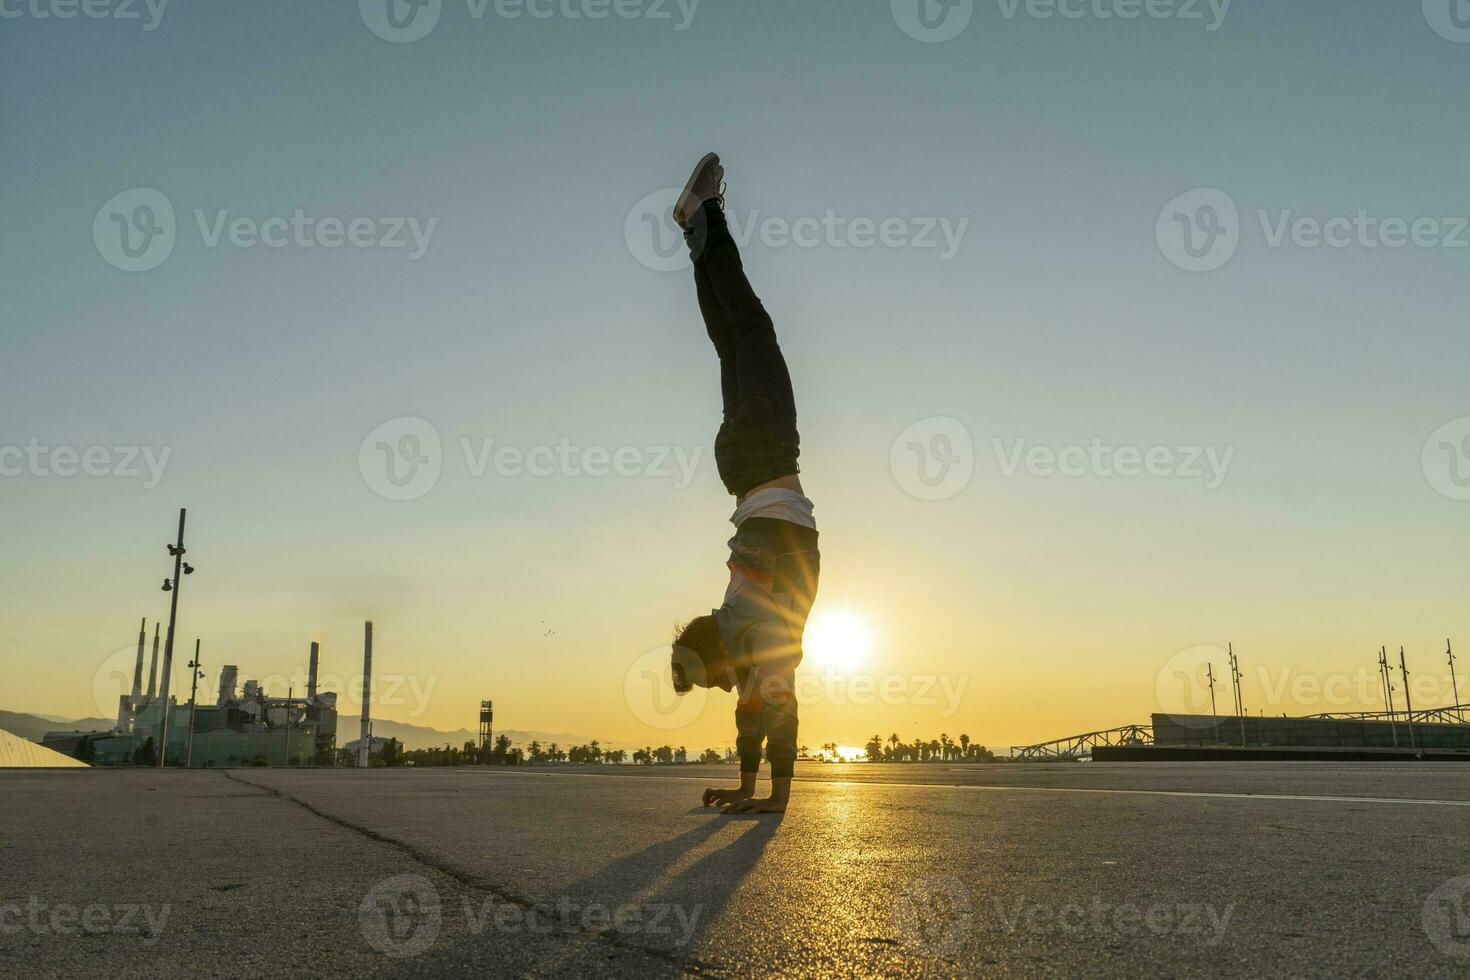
<point>752,643</point>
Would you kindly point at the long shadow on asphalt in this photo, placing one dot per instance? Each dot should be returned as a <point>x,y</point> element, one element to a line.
<point>684,905</point>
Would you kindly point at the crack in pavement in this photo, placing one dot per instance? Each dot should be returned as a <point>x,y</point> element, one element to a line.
<point>689,965</point>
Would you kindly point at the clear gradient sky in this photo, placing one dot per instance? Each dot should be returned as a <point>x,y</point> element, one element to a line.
<point>1054,603</point>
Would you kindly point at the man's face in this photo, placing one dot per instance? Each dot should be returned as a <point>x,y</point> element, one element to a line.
<point>689,672</point>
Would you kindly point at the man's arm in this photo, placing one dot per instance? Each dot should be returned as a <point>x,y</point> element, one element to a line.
<point>775,690</point>
<point>749,734</point>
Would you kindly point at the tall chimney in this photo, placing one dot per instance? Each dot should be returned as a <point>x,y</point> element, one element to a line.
<point>311,673</point>
<point>138,666</point>
<point>153,667</point>
<point>229,674</point>
<point>364,747</point>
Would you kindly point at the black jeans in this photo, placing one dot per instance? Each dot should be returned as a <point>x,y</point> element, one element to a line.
<point>758,441</point>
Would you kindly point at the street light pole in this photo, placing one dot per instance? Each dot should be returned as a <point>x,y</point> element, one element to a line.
<point>1408,698</point>
<point>1235,678</point>
<point>1388,693</point>
<point>1214,713</point>
<point>171,585</point>
<point>290,693</point>
<point>1455,684</point>
<point>194,669</point>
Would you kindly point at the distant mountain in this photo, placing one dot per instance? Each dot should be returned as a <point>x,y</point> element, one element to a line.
<point>34,727</point>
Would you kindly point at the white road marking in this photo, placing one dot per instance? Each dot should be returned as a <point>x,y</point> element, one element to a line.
<point>1023,789</point>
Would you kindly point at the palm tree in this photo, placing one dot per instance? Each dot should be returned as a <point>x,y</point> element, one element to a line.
<point>534,752</point>
<point>875,748</point>
<point>893,743</point>
<point>964,745</point>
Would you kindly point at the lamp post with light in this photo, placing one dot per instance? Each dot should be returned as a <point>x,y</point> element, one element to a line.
<point>181,568</point>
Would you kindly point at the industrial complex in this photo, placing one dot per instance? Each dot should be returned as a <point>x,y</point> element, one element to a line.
<point>236,726</point>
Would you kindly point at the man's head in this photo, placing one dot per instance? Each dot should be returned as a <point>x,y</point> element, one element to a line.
<point>700,658</point>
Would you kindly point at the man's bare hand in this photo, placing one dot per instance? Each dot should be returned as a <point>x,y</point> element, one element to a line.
<point>767,804</point>
<point>722,797</point>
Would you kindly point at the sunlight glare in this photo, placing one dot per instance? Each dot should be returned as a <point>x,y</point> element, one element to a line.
<point>839,640</point>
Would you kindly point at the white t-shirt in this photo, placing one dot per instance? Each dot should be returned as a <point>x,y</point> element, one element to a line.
<point>778,503</point>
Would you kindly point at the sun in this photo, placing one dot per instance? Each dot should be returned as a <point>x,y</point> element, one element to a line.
<point>838,639</point>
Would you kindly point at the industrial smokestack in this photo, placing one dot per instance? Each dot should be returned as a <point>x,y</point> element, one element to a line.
<point>311,672</point>
<point>127,704</point>
<point>153,667</point>
<point>228,675</point>
<point>364,747</point>
<point>138,666</point>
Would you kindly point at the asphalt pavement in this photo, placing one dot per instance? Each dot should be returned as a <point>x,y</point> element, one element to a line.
<point>1172,869</point>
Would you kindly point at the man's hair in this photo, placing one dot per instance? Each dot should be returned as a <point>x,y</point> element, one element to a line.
<point>699,656</point>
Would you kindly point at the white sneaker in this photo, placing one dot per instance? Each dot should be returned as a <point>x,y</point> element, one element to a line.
<point>705,184</point>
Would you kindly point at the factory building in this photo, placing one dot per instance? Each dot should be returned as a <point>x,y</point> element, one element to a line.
<point>248,728</point>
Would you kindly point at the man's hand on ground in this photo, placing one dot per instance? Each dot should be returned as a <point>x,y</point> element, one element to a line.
<point>768,804</point>
<point>721,797</point>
